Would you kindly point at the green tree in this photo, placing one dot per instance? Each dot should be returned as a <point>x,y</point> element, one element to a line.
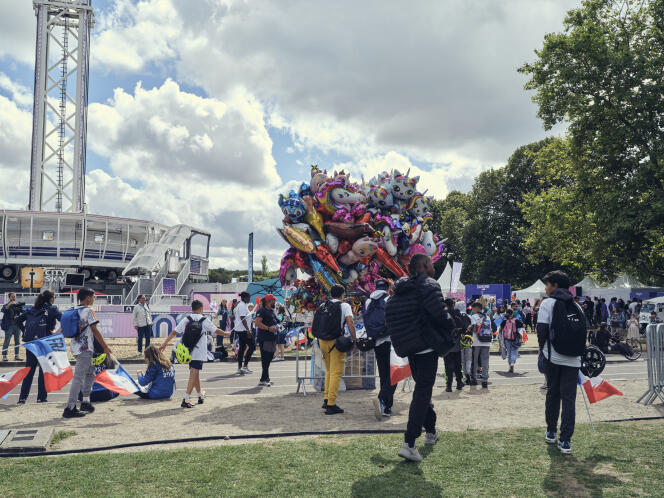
<point>264,265</point>
<point>602,76</point>
<point>449,218</point>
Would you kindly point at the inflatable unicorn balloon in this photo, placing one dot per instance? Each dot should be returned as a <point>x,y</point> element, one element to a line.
<point>403,187</point>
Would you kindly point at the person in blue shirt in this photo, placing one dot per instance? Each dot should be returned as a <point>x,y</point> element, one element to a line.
<point>159,377</point>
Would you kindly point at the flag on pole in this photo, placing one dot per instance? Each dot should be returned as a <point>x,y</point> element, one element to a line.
<point>597,388</point>
<point>456,276</point>
<point>10,380</point>
<point>118,380</point>
<point>399,368</point>
<point>51,352</point>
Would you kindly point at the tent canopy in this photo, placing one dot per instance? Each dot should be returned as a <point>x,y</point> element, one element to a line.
<point>624,281</point>
<point>538,289</point>
<point>445,281</point>
<point>261,289</point>
<point>655,300</point>
<point>588,282</point>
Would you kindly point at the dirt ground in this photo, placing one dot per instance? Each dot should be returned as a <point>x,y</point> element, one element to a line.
<point>129,419</point>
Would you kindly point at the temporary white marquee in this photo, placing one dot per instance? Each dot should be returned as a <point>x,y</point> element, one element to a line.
<point>445,281</point>
<point>535,291</point>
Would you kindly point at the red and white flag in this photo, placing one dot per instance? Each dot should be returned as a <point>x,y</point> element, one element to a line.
<point>10,380</point>
<point>51,352</point>
<point>597,388</point>
<point>119,381</point>
<point>399,368</point>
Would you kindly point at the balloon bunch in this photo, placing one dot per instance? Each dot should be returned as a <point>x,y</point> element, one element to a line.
<point>341,232</point>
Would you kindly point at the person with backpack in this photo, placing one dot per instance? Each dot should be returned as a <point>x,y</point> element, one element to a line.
<point>482,338</point>
<point>10,313</point>
<point>374,323</point>
<point>193,347</point>
<point>159,377</point>
<point>509,330</point>
<point>328,326</point>
<point>561,335</point>
<point>82,348</point>
<point>420,328</point>
<point>37,322</point>
<point>453,358</point>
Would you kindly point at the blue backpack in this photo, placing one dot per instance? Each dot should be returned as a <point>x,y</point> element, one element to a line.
<point>69,323</point>
<point>484,330</point>
<point>36,324</point>
<point>374,318</point>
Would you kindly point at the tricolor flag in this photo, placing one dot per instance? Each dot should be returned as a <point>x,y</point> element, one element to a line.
<point>10,380</point>
<point>597,388</point>
<point>524,336</point>
<point>118,380</point>
<point>399,368</point>
<point>51,352</point>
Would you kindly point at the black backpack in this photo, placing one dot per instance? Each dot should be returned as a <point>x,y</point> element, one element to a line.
<point>374,318</point>
<point>327,321</point>
<point>36,325</point>
<point>192,333</point>
<point>568,331</point>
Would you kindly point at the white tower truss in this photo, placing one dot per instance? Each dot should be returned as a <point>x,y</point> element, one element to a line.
<point>59,129</point>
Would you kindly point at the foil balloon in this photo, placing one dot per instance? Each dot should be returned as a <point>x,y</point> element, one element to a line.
<point>348,231</point>
<point>322,275</point>
<point>287,262</point>
<point>362,248</point>
<point>390,263</point>
<point>332,242</point>
<point>344,247</point>
<point>324,254</point>
<point>299,239</point>
<point>313,217</point>
<point>302,262</point>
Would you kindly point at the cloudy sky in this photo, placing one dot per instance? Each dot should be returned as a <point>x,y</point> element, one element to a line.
<point>203,111</point>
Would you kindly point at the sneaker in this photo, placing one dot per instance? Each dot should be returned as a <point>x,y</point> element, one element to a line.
<point>511,369</point>
<point>240,371</point>
<point>72,413</point>
<point>472,382</point>
<point>431,438</point>
<point>485,385</point>
<point>87,407</point>
<point>201,397</point>
<point>265,383</point>
<point>186,404</point>
<point>333,410</point>
<point>565,447</point>
<point>378,408</point>
<point>410,453</point>
<point>139,355</point>
<point>246,370</point>
<point>448,389</point>
<point>21,402</point>
<point>18,358</point>
<point>42,400</point>
<point>544,387</point>
<point>387,412</point>
<point>4,358</point>
<point>324,404</point>
<point>550,437</point>
<point>460,386</point>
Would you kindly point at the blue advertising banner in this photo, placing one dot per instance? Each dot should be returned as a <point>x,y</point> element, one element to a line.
<point>502,292</point>
<point>250,274</point>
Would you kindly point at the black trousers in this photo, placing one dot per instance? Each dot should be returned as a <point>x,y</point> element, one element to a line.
<point>32,362</point>
<point>421,413</point>
<point>386,393</point>
<point>453,367</point>
<point>267,353</point>
<point>244,341</point>
<point>143,332</point>
<point>561,389</point>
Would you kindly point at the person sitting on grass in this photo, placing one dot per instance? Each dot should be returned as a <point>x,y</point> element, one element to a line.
<point>159,377</point>
<point>199,353</point>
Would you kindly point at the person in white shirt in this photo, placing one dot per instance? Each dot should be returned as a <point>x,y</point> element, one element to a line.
<point>141,319</point>
<point>482,338</point>
<point>244,331</point>
<point>199,353</point>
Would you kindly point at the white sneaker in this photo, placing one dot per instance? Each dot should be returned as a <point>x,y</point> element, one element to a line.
<point>240,371</point>
<point>431,437</point>
<point>246,370</point>
<point>410,453</point>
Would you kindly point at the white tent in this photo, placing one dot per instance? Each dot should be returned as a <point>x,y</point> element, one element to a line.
<point>535,291</point>
<point>655,300</point>
<point>445,281</point>
<point>624,281</point>
<point>588,282</point>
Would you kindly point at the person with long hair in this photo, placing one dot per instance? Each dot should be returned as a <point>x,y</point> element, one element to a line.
<point>159,378</point>
<point>268,328</point>
<point>37,322</point>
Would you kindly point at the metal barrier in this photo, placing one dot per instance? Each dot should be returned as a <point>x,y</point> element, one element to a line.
<point>360,371</point>
<point>655,359</point>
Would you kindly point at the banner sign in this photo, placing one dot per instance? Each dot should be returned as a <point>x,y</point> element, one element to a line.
<point>251,258</point>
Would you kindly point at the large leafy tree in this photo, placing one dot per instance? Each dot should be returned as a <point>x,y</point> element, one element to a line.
<point>602,76</point>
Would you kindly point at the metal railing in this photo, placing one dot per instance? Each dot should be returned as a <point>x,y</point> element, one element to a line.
<point>183,276</point>
<point>174,299</point>
<point>159,279</point>
<point>655,360</point>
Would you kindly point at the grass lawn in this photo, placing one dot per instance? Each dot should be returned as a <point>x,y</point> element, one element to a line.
<point>618,460</point>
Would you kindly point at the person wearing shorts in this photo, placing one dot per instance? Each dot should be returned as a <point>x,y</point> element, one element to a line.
<point>198,354</point>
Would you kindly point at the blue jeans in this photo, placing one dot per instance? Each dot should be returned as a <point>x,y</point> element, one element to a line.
<point>512,352</point>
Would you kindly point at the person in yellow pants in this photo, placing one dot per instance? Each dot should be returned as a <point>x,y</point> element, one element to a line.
<point>335,361</point>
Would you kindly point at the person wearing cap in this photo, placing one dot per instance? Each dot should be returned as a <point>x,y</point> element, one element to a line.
<point>268,328</point>
<point>481,349</point>
<point>383,403</point>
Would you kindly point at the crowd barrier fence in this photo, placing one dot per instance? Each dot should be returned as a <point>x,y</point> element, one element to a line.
<point>655,361</point>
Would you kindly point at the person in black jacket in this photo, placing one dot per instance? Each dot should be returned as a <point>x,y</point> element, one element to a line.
<point>416,317</point>
<point>44,317</point>
<point>453,358</point>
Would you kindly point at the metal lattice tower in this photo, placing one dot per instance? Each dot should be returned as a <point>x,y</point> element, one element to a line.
<point>59,129</point>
